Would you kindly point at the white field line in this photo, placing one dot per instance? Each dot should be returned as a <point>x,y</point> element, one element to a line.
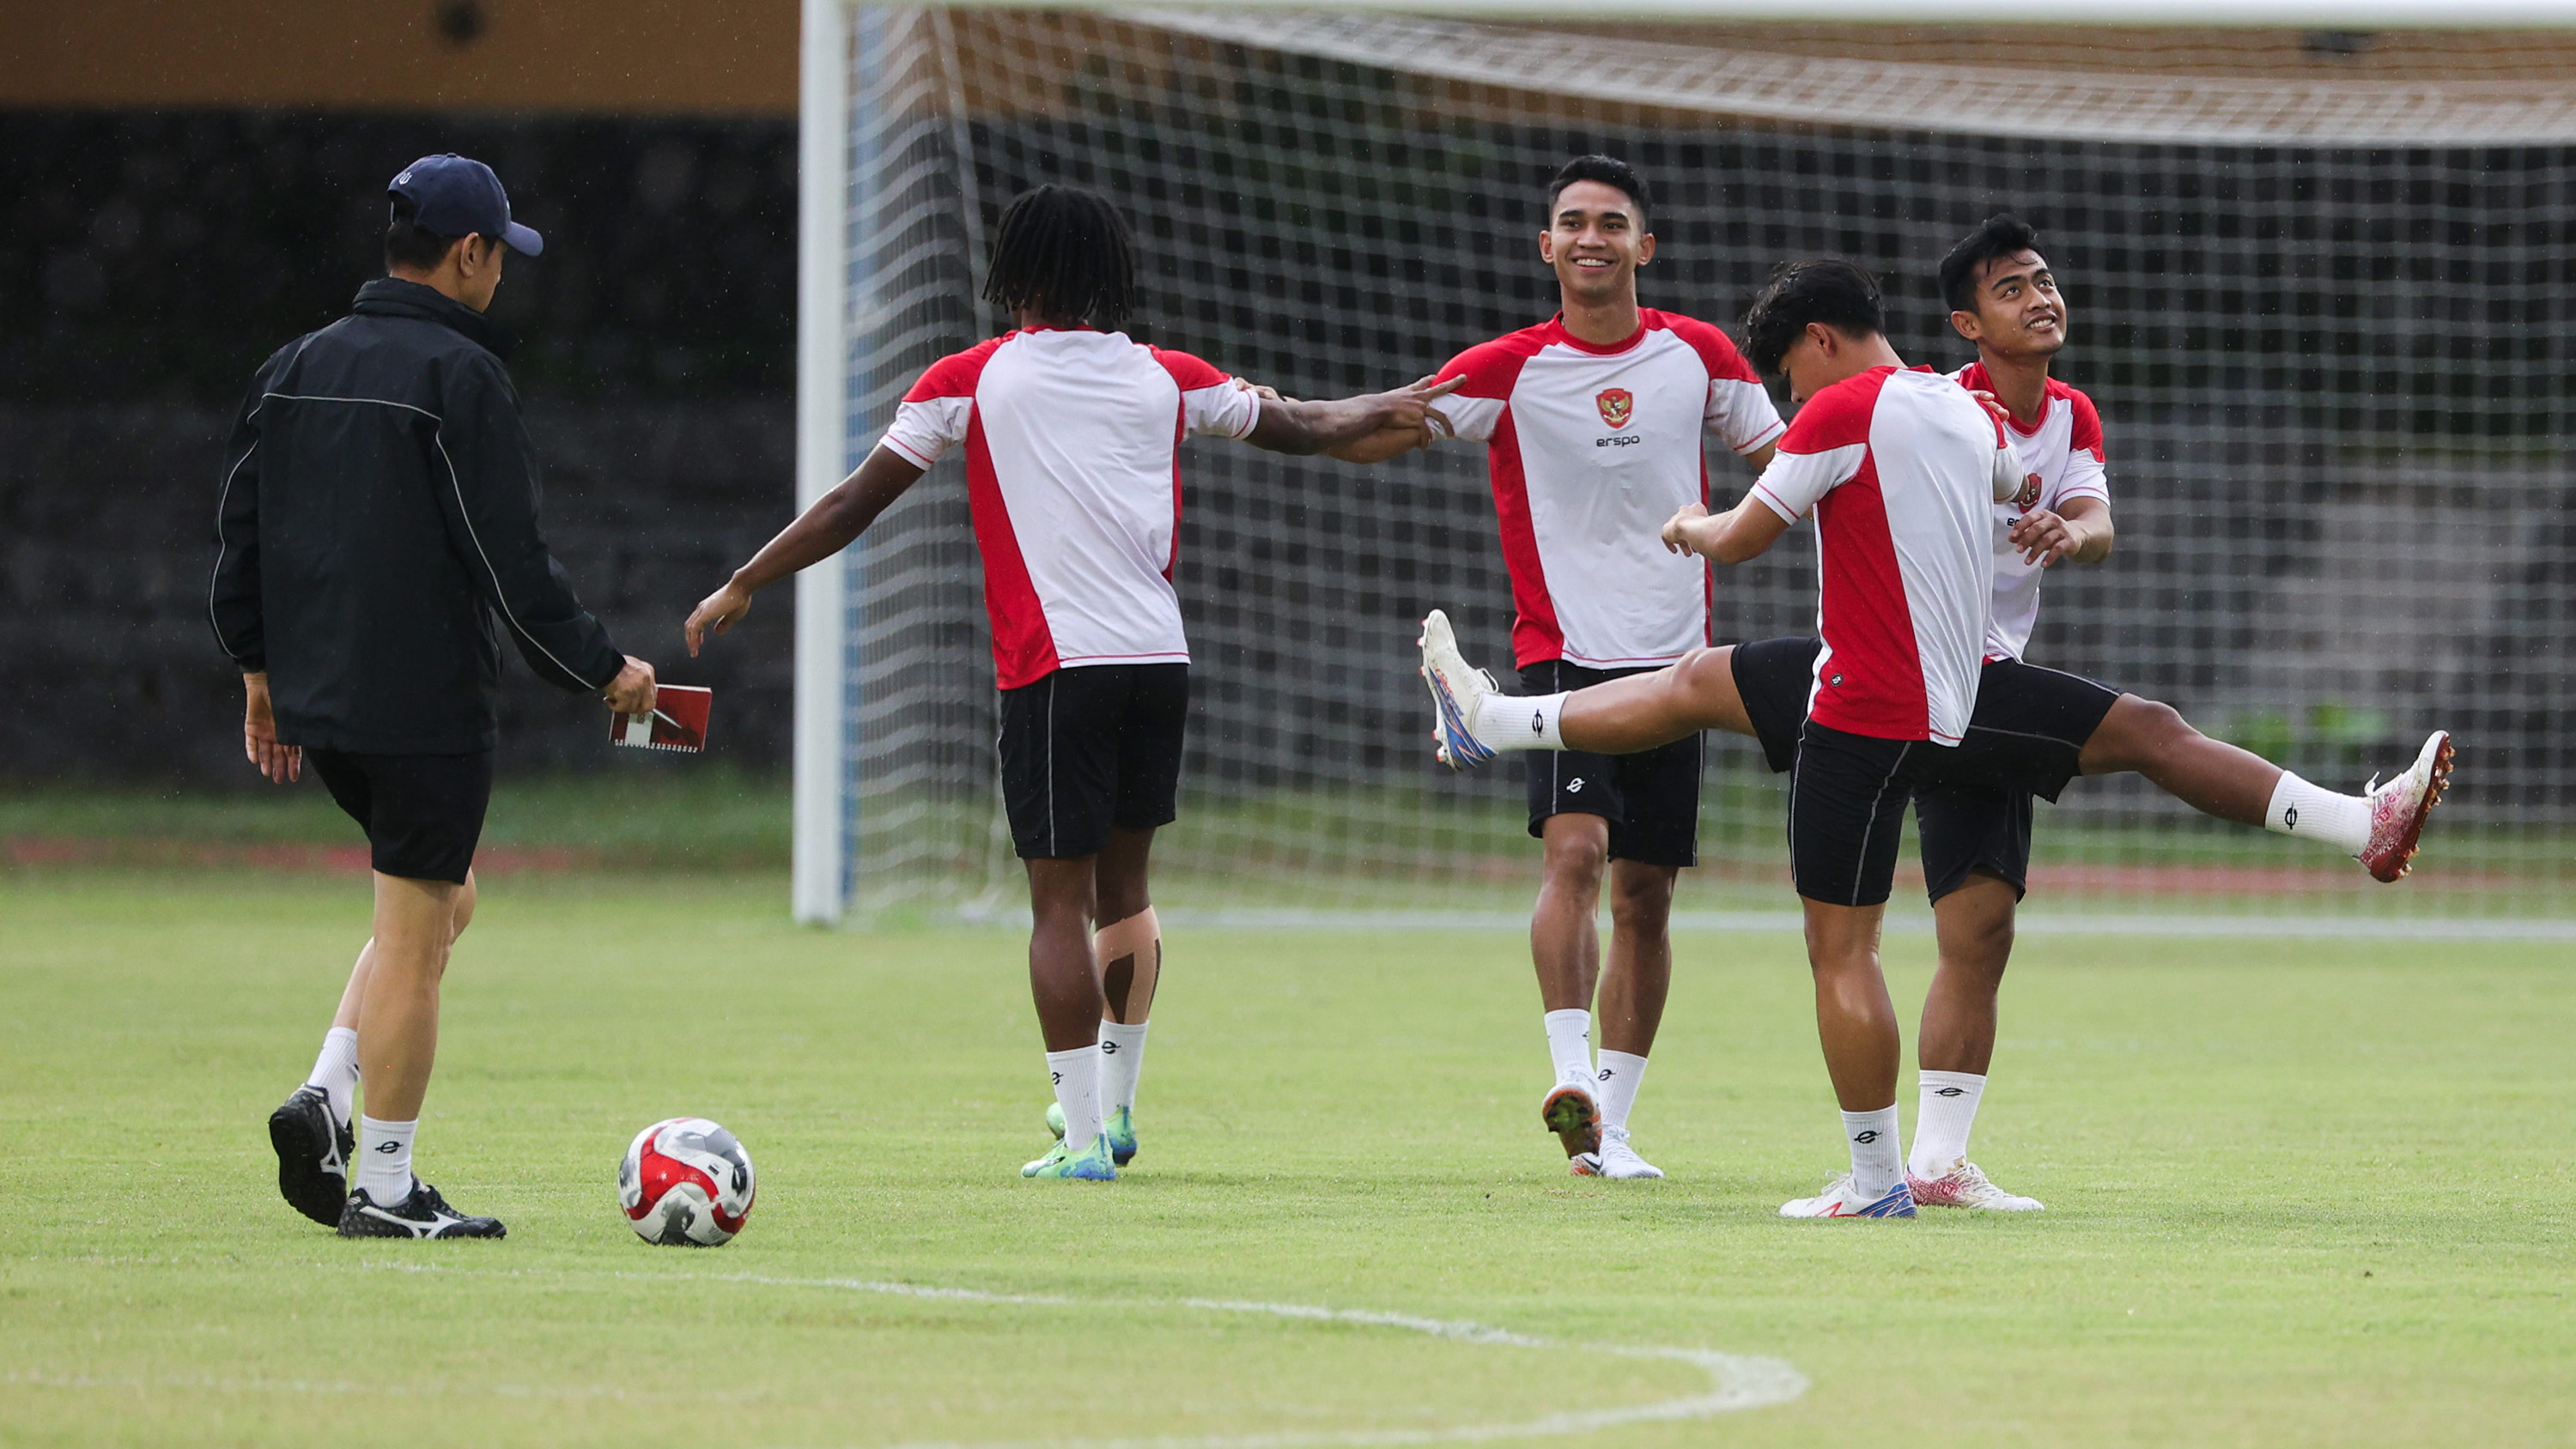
<point>1735,1381</point>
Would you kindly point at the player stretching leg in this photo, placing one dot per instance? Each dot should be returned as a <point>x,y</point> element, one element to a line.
<point>1071,436</point>
<point>1593,424</point>
<point>1900,468</point>
<point>2033,728</point>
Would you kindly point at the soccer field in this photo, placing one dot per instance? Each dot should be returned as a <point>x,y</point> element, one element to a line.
<point>2298,1194</point>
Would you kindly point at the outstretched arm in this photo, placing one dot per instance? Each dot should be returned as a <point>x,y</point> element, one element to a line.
<point>1387,423</point>
<point>1740,533</point>
<point>832,524</point>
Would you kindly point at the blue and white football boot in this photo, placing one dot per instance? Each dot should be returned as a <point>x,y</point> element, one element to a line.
<point>1841,1200</point>
<point>1119,1127</point>
<point>1456,693</point>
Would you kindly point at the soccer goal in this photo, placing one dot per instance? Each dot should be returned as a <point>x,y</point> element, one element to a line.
<point>2322,286</point>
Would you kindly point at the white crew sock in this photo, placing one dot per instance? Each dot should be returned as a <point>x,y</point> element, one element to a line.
<point>1520,721</point>
<point>1077,1090</point>
<point>1569,1045</point>
<point>2299,808</point>
<point>335,1072</point>
<point>1876,1164</point>
<point>1122,1060</point>
<point>1941,1122</point>
<point>384,1159</point>
<point>1619,1076</point>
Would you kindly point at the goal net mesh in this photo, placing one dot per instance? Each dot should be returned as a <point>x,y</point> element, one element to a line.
<point>2327,319</point>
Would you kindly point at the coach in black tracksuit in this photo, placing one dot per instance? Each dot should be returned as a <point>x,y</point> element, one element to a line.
<point>377,532</point>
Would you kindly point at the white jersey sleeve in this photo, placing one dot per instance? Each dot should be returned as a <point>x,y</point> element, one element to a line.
<point>1227,408</point>
<point>2010,476</point>
<point>925,428</point>
<point>1796,482</point>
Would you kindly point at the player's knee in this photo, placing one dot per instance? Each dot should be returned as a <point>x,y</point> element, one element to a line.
<point>1577,858</point>
<point>463,914</point>
<point>1641,899</point>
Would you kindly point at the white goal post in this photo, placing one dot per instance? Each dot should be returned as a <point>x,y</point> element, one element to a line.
<point>2325,308</point>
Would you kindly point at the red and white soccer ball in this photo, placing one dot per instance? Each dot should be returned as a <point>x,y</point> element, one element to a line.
<point>685,1182</point>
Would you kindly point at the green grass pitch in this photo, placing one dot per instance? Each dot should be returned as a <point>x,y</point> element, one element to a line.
<point>2298,1194</point>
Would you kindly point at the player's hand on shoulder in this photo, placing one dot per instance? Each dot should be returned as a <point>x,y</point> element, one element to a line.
<point>714,614</point>
<point>282,764</point>
<point>633,690</point>
<point>1677,533</point>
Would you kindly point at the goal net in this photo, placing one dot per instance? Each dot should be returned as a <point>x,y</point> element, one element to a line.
<point>2324,303</point>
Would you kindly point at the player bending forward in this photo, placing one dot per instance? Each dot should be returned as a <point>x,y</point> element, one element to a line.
<point>1593,424</point>
<point>1071,436</point>
<point>2029,731</point>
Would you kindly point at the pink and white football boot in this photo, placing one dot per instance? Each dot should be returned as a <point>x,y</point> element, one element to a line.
<point>1965,1186</point>
<point>2398,808</point>
<point>1841,1199</point>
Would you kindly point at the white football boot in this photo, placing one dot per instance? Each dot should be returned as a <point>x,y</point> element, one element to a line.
<point>1456,692</point>
<point>2398,808</point>
<point>1841,1200</point>
<point>1618,1160</point>
<point>1965,1186</point>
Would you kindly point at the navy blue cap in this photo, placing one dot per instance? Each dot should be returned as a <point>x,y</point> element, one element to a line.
<point>456,195</point>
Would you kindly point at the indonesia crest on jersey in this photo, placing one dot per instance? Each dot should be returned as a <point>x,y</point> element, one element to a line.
<point>2063,451</point>
<point>1591,450</point>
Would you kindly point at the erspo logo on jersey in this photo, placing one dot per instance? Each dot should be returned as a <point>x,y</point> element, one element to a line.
<point>1615,404</point>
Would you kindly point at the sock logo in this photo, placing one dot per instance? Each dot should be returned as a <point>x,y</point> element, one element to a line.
<point>389,1148</point>
<point>1055,1079</point>
<point>1538,721</point>
<point>1574,786</point>
<point>1866,1138</point>
<point>1608,1072</point>
<point>1108,1048</point>
<point>1949,1091</point>
<point>2290,818</point>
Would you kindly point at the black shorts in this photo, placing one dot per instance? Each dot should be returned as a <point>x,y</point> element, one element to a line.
<point>2028,729</point>
<point>1847,797</point>
<point>1091,748</point>
<point>1651,799</point>
<point>1962,829</point>
<point>423,814</point>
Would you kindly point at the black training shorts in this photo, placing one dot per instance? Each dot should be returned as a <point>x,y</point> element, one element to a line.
<point>423,814</point>
<point>1847,796</point>
<point>1091,748</point>
<point>1651,798</point>
<point>2029,728</point>
<point>1963,829</point>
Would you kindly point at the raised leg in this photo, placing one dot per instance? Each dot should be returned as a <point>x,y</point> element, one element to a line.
<point>1642,711</point>
<point>2211,776</point>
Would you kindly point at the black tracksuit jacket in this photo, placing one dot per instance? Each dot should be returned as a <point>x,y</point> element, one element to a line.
<point>378,509</point>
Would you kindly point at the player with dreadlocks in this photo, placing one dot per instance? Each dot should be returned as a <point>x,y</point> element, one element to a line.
<point>1071,432</point>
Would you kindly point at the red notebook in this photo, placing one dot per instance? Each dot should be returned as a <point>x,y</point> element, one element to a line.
<point>678,721</point>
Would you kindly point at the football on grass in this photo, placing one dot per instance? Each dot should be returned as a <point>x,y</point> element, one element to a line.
<point>685,1183</point>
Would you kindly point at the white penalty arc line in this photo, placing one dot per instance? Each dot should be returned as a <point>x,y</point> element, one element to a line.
<point>1736,1382</point>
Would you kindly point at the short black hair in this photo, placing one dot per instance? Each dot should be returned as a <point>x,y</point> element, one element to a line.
<point>1067,252</point>
<point>2000,235</point>
<point>1609,171</point>
<point>410,245</point>
<point>1817,289</point>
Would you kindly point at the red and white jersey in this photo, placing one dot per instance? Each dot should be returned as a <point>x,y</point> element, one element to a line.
<point>1073,475</point>
<point>1591,450</point>
<point>1903,480</point>
<point>2065,453</point>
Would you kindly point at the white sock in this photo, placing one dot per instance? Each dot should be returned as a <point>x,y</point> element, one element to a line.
<point>1122,1060</point>
<point>384,1159</point>
<point>1941,1123</point>
<point>2299,808</point>
<point>335,1072</point>
<point>1619,1075</point>
<point>1876,1164</point>
<point>1520,721</point>
<point>1569,1044</point>
<point>1077,1090</point>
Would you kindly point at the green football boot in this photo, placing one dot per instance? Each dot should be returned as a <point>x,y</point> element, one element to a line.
<point>1120,1129</point>
<point>1092,1164</point>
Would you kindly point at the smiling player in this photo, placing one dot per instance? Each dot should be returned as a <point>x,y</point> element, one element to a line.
<point>1594,424</point>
